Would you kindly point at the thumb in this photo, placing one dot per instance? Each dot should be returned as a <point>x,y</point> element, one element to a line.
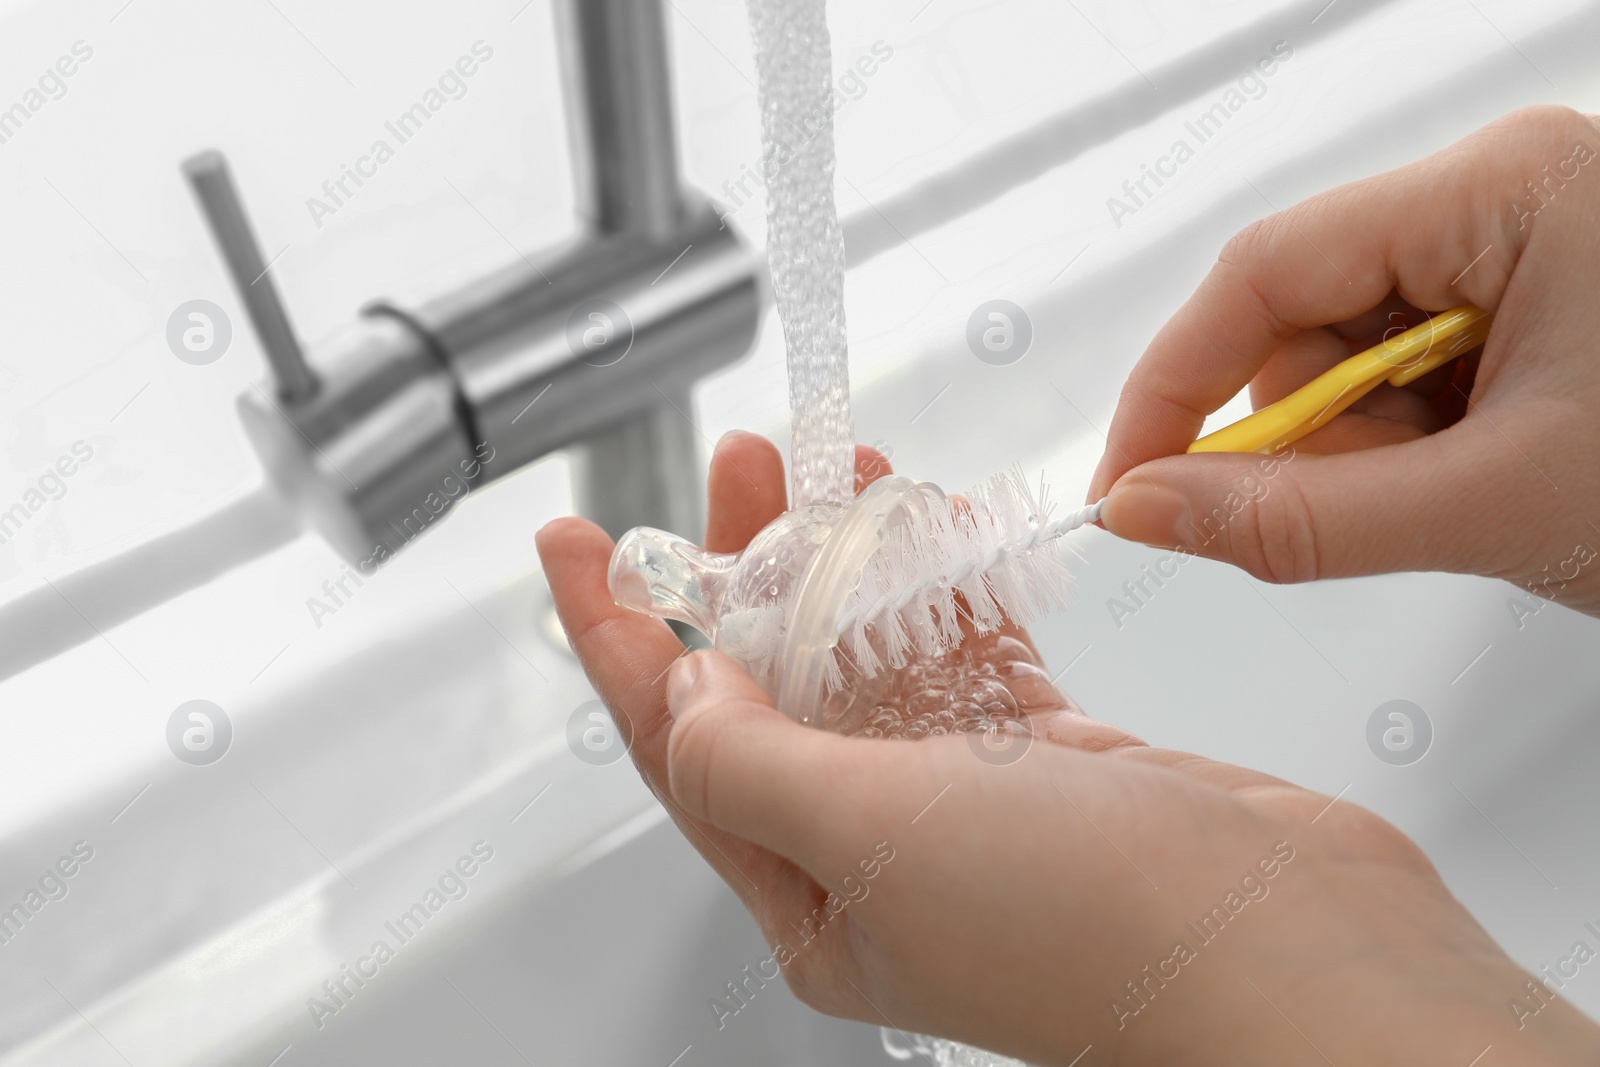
<point>1433,504</point>
<point>738,763</point>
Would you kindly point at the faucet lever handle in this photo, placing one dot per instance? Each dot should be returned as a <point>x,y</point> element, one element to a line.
<point>208,176</point>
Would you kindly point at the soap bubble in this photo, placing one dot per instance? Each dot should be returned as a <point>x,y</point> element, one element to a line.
<point>985,690</point>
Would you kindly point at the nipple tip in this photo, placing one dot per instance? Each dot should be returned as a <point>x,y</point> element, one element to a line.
<point>632,591</point>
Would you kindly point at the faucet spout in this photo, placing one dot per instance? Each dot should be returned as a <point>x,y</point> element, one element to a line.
<point>593,347</point>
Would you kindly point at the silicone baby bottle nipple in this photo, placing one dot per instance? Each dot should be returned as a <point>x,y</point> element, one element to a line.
<point>749,604</point>
<point>826,596</point>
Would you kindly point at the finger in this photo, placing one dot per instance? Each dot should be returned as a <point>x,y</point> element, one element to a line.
<point>624,653</point>
<point>738,763</point>
<point>1386,415</point>
<point>1330,259</point>
<point>1356,430</point>
<point>1076,730</point>
<point>870,466</point>
<point>1395,414</point>
<point>1296,517</point>
<point>626,656</point>
<point>1294,363</point>
<point>746,487</point>
<point>1395,315</point>
<point>744,491</point>
<point>1226,776</point>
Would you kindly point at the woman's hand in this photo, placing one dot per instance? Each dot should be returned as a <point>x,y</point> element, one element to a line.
<point>1492,467</point>
<point>1093,897</point>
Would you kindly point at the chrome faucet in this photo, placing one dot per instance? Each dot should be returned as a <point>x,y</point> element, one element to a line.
<point>591,347</point>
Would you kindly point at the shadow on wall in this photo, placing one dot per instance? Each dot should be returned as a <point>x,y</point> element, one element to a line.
<point>48,621</point>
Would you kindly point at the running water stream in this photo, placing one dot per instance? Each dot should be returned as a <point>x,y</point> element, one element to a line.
<point>805,246</point>
<point>805,250</point>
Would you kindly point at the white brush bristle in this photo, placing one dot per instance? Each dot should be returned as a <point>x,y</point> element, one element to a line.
<point>998,550</point>
<point>950,568</point>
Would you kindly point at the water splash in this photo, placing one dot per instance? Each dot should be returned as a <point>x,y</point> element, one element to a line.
<point>941,1053</point>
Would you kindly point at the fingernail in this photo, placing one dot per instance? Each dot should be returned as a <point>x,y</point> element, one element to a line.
<point>1149,514</point>
<point>729,436</point>
<point>680,683</point>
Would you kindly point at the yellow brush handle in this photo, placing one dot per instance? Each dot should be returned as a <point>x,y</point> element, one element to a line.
<point>1398,360</point>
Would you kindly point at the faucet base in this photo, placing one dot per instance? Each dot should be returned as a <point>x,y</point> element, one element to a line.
<point>643,472</point>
